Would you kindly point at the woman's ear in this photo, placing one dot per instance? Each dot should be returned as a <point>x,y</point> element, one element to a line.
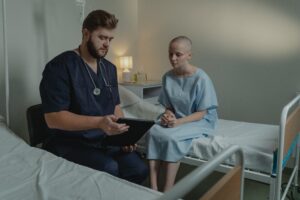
<point>190,55</point>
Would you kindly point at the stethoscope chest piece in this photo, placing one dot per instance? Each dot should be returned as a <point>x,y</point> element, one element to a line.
<point>96,91</point>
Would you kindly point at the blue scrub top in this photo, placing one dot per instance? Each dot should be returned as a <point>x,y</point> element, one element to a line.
<point>66,85</point>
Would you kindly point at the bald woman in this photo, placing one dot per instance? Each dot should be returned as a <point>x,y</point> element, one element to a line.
<point>190,103</point>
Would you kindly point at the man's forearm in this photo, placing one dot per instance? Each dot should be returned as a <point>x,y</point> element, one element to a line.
<point>68,121</point>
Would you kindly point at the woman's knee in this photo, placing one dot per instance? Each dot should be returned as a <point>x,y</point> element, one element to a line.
<point>168,138</point>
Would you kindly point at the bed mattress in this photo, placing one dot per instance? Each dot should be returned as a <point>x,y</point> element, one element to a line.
<point>258,142</point>
<point>31,173</point>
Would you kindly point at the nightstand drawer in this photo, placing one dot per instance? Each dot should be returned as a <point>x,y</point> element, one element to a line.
<point>151,92</point>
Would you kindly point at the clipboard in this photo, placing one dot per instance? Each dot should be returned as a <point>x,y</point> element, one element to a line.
<point>137,128</point>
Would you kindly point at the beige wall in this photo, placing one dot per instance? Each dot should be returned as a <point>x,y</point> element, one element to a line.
<point>250,49</point>
<point>2,77</point>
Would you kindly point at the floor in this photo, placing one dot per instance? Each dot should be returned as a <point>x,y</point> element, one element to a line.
<point>252,190</point>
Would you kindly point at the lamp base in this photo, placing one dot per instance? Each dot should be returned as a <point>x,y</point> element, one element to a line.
<point>126,77</point>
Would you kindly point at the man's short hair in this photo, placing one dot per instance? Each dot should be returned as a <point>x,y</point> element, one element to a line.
<point>99,18</point>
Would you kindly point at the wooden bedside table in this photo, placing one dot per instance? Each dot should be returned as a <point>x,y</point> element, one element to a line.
<point>148,90</point>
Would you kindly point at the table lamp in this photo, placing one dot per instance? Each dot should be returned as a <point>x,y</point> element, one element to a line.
<point>126,64</point>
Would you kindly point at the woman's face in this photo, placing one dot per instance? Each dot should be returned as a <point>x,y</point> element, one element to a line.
<point>179,54</point>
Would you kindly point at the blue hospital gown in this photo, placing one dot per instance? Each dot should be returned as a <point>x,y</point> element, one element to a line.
<point>185,95</point>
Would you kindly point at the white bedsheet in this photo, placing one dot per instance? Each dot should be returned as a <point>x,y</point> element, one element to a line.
<point>31,173</point>
<point>258,142</point>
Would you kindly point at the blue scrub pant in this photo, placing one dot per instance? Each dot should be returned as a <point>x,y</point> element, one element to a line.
<point>112,160</point>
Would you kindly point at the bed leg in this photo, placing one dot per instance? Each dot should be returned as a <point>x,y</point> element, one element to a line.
<point>272,188</point>
<point>297,163</point>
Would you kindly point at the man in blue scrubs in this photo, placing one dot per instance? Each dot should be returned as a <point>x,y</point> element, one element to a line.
<point>79,92</point>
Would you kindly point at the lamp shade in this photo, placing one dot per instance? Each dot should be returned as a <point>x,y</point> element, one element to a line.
<point>126,63</point>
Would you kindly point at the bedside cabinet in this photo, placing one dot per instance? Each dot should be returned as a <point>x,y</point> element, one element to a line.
<point>148,90</point>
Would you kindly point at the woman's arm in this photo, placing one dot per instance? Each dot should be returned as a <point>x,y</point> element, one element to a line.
<point>192,117</point>
<point>172,121</point>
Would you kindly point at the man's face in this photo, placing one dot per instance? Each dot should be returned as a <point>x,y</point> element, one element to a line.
<point>99,41</point>
<point>179,54</point>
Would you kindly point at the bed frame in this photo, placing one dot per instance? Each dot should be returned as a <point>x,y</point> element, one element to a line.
<point>229,187</point>
<point>288,143</point>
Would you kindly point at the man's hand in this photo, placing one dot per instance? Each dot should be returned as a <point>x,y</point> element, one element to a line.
<point>129,148</point>
<point>110,126</point>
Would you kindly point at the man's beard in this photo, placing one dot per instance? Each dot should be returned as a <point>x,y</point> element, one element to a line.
<point>93,51</point>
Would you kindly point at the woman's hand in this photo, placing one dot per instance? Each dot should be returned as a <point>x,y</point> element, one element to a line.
<point>173,121</point>
<point>164,120</point>
<point>169,119</point>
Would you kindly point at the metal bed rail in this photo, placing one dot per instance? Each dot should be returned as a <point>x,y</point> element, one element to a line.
<point>187,183</point>
<point>281,147</point>
<point>261,177</point>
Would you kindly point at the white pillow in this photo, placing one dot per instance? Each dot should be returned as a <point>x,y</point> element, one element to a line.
<point>143,110</point>
<point>127,97</point>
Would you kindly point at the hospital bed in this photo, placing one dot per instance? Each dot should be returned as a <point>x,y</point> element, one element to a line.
<point>267,148</point>
<point>31,173</point>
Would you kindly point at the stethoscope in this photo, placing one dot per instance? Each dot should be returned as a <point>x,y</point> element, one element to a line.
<point>96,90</point>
